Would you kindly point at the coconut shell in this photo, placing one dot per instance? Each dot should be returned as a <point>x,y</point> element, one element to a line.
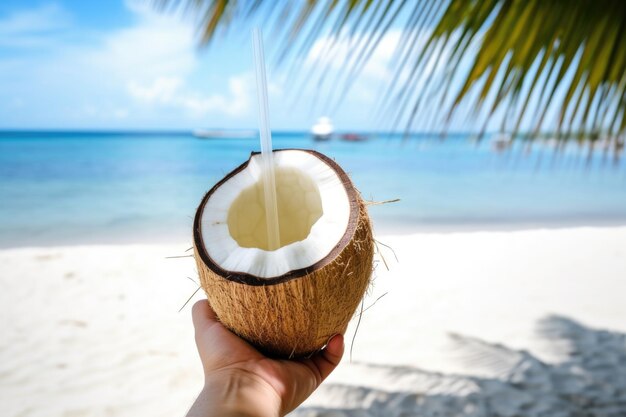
<point>294,315</point>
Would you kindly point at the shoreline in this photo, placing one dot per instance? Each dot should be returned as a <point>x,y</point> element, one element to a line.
<point>383,230</point>
<point>477,227</point>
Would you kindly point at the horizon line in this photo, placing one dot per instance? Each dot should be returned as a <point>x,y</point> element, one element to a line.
<point>190,131</point>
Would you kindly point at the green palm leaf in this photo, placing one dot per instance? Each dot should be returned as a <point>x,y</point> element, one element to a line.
<point>542,64</point>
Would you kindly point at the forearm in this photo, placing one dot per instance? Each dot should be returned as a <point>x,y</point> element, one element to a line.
<point>235,394</point>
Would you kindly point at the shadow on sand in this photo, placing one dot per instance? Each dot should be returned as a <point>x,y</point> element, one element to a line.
<point>590,381</point>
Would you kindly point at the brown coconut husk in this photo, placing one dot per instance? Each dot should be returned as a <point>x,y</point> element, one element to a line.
<point>294,315</point>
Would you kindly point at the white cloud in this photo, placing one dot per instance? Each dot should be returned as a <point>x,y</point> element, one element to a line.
<point>33,27</point>
<point>44,18</point>
<point>170,92</point>
<point>235,104</point>
<point>156,46</point>
<point>339,53</point>
<point>138,73</point>
<point>162,90</point>
<point>375,78</point>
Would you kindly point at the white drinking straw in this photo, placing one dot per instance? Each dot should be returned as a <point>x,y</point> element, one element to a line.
<point>267,157</point>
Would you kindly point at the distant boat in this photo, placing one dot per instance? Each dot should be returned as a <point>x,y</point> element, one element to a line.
<point>322,131</point>
<point>501,142</point>
<point>353,137</point>
<point>225,134</point>
<point>604,143</point>
<point>551,142</point>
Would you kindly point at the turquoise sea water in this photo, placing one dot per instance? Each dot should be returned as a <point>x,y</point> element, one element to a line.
<point>72,188</point>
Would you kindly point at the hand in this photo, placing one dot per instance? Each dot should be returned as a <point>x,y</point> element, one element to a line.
<point>241,381</point>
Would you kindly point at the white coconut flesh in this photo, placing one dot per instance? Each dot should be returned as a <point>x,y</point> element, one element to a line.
<point>313,210</point>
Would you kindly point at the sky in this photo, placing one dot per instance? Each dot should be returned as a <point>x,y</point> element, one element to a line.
<point>123,65</point>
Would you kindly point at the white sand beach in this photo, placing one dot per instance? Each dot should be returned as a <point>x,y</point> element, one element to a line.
<point>519,323</point>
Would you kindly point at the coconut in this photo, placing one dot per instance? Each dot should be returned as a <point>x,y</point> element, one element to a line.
<point>287,302</point>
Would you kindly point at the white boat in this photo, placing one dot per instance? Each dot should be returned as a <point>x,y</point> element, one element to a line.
<point>225,134</point>
<point>322,130</point>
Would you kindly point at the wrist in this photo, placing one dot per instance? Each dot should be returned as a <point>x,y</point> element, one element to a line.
<point>237,392</point>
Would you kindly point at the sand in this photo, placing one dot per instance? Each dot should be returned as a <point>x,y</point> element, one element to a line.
<point>521,323</point>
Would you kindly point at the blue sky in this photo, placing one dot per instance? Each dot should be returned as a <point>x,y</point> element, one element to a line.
<point>120,64</point>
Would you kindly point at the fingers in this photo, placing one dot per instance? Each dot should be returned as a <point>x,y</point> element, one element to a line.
<point>328,359</point>
<point>202,315</point>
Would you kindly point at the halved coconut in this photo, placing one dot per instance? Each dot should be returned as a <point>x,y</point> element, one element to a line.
<point>289,301</point>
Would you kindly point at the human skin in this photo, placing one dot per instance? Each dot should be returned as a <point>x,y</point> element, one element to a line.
<point>240,381</point>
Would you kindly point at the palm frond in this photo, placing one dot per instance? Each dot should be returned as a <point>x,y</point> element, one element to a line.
<point>535,64</point>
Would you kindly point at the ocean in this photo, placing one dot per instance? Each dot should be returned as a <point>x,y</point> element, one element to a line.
<point>65,188</point>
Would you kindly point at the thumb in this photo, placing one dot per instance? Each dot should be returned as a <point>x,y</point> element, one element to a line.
<point>203,315</point>
<point>327,360</point>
